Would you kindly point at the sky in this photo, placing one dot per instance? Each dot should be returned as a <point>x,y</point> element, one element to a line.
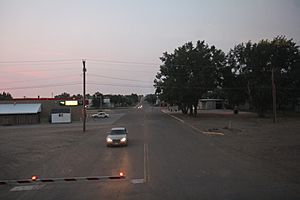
<point>43,42</point>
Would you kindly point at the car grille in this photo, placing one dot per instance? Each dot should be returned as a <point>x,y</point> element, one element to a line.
<point>116,141</point>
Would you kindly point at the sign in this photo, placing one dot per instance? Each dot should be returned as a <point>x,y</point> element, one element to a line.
<point>69,103</point>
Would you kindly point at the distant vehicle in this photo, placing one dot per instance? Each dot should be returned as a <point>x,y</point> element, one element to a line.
<point>117,137</point>
<point>140,107</point>
<point>100,115</point>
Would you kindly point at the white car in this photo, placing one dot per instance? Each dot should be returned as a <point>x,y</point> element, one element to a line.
<point>100,115</point>
<point>140,107</point>
<point>117,137</point>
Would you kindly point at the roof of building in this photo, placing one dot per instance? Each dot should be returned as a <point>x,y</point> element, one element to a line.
<point>44,99</point>
<point>10,109</point>
<point>60,110</point>
<point>118,128</point>
<point>211,99</point>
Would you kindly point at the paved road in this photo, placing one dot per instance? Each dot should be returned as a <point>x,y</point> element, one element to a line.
<point>165,160</point>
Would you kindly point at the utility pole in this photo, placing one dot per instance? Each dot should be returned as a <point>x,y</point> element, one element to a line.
<point>84,108</point>
<point>100,102</point>
<point>274,97</point>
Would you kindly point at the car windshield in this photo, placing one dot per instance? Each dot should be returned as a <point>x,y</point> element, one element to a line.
<point>117,132</point>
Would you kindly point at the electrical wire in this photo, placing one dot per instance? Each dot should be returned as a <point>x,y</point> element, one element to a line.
<point>115,78</point>
<point>72,60</point>
<point>37,61</point>
<point>41,86</point>
<point>40,79</point>
<point>124,70</point>
<point>118,85</point>
<point>69,84</point>
<point>123,62</point>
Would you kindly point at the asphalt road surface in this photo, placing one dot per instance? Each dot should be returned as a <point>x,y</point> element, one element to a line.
<point>165,159</point>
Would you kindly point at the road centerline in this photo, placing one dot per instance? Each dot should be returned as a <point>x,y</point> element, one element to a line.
<point>146,172</point>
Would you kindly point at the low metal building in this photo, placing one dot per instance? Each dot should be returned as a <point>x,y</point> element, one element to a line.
<point>211,104</point>
<point>14,114</point>
<point>62,115</point>
<point>47,105</point>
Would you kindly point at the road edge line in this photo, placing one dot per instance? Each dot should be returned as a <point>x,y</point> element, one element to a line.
<point>182,121</point>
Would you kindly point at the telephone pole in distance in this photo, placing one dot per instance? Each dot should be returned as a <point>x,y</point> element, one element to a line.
<point>84,107</point>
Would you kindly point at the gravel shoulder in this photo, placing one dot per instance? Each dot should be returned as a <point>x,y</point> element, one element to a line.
<point>277,145</point>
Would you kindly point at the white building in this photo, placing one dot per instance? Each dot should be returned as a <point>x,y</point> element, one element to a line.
<point>210,104</point>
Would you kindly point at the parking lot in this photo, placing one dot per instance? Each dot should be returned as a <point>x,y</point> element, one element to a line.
<point>26,146</point>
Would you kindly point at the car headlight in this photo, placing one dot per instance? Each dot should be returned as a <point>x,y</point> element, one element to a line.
<point>108,140</point>
<point>123,140</point>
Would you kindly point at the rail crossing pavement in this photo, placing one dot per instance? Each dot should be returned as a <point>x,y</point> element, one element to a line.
<point>35,179</point>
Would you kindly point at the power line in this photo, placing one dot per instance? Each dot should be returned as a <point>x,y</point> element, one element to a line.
<point>70,68</point>
<point>54,68</point>
<point>72,60</point>
<point>40,86</point>
<point>125,70</point>
<point>37,61</point>
<point>69,84</point>
<point>123,79</point>
<point>118,85</point>
<point>40,79</point>
<point>123,62</point>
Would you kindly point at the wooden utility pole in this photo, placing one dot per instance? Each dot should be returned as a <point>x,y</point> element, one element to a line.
<point>274,97</point>
<point>84,108</point>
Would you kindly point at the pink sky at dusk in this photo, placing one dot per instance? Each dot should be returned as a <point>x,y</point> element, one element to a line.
<point>43,42</point>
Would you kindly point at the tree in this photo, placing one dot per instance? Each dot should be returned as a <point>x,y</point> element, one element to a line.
<point>97,100</point>
<point>247,75</point>
<point>5,96</point>
<point>78,96</point>
<point>63,95</point>
<point>187,74</point>
<point>121,100</point>
<point>151,98</point>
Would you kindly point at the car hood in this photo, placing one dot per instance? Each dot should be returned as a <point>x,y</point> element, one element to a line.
<point>117,137</point>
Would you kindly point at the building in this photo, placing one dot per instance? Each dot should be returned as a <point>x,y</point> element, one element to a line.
<point>210,104</point>
<point>16,114</point>
<point>48,104</point>
<point>107,103</point>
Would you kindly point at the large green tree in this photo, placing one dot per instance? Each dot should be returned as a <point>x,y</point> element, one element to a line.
<point>188,73</point>
<point>247,76</point>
